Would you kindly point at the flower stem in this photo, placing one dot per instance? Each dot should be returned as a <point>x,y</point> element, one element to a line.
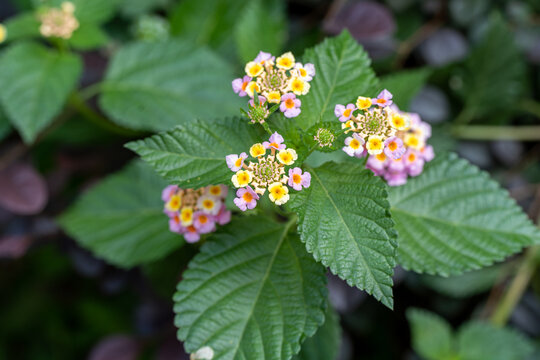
<point>517,288</point>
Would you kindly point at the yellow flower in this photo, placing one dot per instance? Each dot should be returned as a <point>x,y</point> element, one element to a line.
<point>299,86</point>
<point>273,97</point>
<point>254,69</point>
<point>186,216</point>
<point>278,193</point>
<point>348,125</point>
<point>399,121</point>
<point>216,190</point>
<point>285,61</point>
<point>252,87</point>
<point>413,141</point>
<point>257,150</point>
<point>68,7</point>
<point>287,156</point>
<point>363,103</point>
<point>3,33</point>
<point>375,145</point>
<point>381,157</point>
<point>174,203</point>
<point>242,178</point>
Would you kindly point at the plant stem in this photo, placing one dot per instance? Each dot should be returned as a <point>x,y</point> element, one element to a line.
<point>516,289</point>
<point>488,132</point>
<point>90,91</point>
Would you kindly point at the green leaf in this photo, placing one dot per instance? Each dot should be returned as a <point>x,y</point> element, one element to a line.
<point>88,36</point>
<point>249,34</point>
<point>91,11</point>
<point>431,335</point>
<point>194,155</point>
<point>37,82</point>
<point>480,341</point>
<point>454,218</point>
<point>468,284</point>
<point>135,8</point>
<point>251,293</point>
<point>5,126</point>
<point>324,345</point>
<point>343,73</point>
<point>345,223</point>
<point>24,25</point>
<point>121,219</point>
<point>494,79</point>
<point>155,86</point>
<point>404,85</point>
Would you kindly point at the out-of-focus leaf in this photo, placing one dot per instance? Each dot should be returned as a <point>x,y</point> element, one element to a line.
<point>37,82</point>
<point>262,26</point>
<point>90,11</point>
<point>431,335</point>
<point>24,25</point>
<point>116,347</point>
<point>5,126</point>
<point>121,219</point>
<point>155,86</point>
<point>444,46</point>
<point>253,292</point>
<point>22,190</point>
<point>343,73</point>
<point>494,78</point>
<point>134,8</point>
<point>324,345</point>
<point>468,284</point>
<point>404,85</point>
<point>431,104</point>
<point>465,12</point>
<point>88,36</point>
<point>455,218</point>
<point>194,155</point>
<point>352,235</point>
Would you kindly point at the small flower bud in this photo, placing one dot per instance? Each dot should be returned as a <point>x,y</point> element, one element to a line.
<point>324,137</point>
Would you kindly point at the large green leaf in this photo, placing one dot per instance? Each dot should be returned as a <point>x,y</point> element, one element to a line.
<point>259,14</point>
<point>343,73</point>
<point>194,155</point>
<point>454,218</point>
<point>495,79</point>
<point>253,292</point>
<point>5,126</point>
<point>432,337</point>
<point>404,85</point>
<point>481,341</point>
<point>155,86</point>
<point>24,25</point>
<point>36,83</point>
<point>324,345</point>
<point>121,219</point>
<point>90,11</point>
<point>345,223</point>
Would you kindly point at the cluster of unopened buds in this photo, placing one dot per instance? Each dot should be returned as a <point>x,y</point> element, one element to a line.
<point>267,173</point>
<point>274,81</point>
<point>60,23</point>
<point>394,141</point>
<point>195,212</point>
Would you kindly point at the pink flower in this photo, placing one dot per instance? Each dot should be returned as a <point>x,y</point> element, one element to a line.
<point>235,162</point>
<point>427,153</point>
<point>414,162</point>
<point>275,142</point>
<point>246,198</point>
<point>305,72</point>
<point>191,235</point>
<point>262,100</point>
<point>344,113</point>
<point>239,85</point>
<point>396,165</point>
<point>263,56</point>
<point>383,99</point>
<point>354,145</point>
<point>168,192</point>
<point>290,105</point>
<point>377,164</point>
<point>393,147</point>
<point>174,224</point>
<point>224,216</point>
<point>297,180</point>
<point>203,223</point>
<point>395,178</point>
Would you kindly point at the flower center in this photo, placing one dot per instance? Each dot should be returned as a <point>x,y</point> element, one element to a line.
<point>247,197</point>
<point>208,204</point>
<point>412,157</point>
<point>238,162</point>
<point>392,146</point>
<point>297,179</point>
<point>355,144</point>
<point>297,85</point>
<point>381,101</point>
<point>244,85</point>
<point>303,72</point>
<point>381,157</point>
<point>289,103</point>
<point>347,112</point>
<point>203,219</point>
<point>216,190</point>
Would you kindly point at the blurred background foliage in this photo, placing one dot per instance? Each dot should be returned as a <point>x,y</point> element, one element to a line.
<point>470,68</point>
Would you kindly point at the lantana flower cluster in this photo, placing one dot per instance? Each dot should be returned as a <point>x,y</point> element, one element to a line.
<point>60,23</point>
<point>394,141</point>
<point>274,81</point>
<point>194,212</point>
<point>266,172</point>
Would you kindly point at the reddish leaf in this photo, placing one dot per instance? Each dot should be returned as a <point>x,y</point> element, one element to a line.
<point>116,347</point>
<point>23,190</point>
